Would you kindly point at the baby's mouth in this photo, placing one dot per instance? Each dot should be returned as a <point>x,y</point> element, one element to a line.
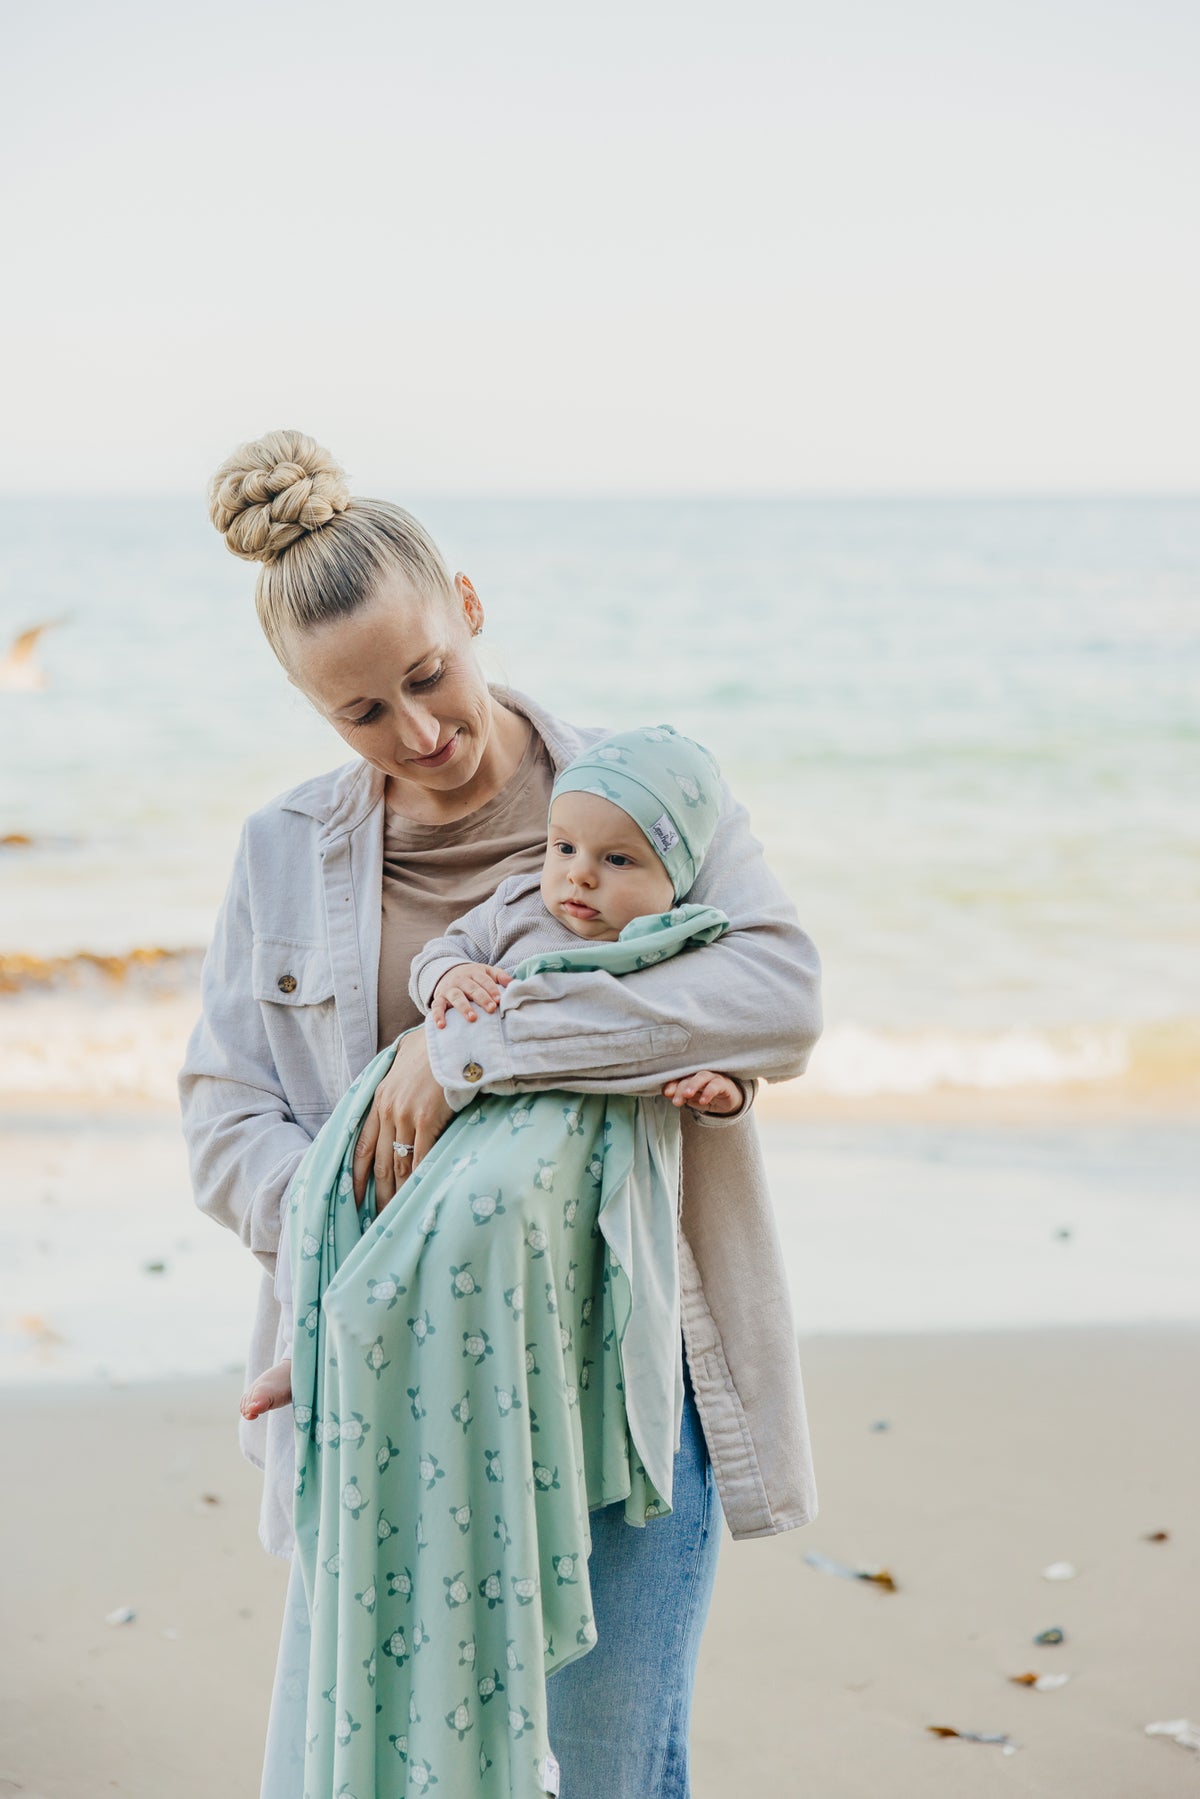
<point>577,909</point>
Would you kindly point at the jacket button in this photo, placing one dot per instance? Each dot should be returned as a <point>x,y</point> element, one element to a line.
<point>286,983</point>
<point>472,1072</point>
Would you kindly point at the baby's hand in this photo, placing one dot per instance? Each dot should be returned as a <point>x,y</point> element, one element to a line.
<point>467,982</point>
<point>705,1092</point>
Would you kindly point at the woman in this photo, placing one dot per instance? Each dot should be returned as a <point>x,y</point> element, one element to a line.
<point>335,887</point>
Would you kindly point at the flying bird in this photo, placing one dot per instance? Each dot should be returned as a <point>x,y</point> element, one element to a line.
<point>20,671</point>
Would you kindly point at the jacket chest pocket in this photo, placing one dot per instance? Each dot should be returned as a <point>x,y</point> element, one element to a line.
<point>293,984</point>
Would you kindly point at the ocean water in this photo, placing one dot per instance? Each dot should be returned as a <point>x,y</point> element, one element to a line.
<point>966,732</point>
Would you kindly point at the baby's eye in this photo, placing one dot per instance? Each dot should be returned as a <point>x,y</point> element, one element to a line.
<point>564,848</point>
<point>619,861</point>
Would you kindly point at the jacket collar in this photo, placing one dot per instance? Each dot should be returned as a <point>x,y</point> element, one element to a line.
<point>342,798</point>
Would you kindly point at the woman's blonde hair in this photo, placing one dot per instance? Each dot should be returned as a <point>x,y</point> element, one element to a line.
<point>283,501</point>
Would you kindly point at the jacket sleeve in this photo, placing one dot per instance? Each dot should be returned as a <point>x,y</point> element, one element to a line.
<point>747,1004</point>
<point>243,1143</point>
<point>471,938</point>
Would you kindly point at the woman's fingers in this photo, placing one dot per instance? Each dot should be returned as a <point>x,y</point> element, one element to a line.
<point>431,1122</point>
<point>428,1129</point>
<point>402,1167</point>
<point>409,1107</point>
<point>386,1160</point>
<point>364,1153</point>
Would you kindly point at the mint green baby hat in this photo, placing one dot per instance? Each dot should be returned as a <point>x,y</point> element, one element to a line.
<point>669,785</point>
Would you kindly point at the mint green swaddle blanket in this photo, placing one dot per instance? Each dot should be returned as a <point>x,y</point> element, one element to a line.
<point>474,1369</point>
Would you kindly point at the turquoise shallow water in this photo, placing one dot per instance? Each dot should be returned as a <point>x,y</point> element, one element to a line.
<point>966,732</point>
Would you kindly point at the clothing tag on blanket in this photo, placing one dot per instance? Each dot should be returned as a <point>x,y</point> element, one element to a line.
<point>664,834</point>
<point>548,1773</point>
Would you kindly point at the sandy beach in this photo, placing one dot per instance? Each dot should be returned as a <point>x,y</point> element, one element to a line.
<point>1000,1343</point>
<point>1004,1452</point>
<point>963,1460</point>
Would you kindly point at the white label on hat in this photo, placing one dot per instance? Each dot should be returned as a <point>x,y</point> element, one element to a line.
<point>548,1773</point>
<point>664,834</point>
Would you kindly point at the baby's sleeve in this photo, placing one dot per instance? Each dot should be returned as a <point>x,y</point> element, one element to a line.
<point>475,937</point>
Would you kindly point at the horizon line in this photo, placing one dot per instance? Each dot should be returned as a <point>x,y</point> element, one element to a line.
<point>617,496</point>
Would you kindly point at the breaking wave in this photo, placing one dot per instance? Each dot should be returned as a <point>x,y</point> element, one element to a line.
<point>115,1028</point>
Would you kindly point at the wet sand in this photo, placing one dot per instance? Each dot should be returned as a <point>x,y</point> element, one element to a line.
<point>1005,1452</point>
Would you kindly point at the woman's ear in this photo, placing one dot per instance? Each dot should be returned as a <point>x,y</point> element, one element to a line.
<point>471,604</point>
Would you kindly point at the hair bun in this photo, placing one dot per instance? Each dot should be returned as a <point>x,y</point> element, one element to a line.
<point>272,491</point>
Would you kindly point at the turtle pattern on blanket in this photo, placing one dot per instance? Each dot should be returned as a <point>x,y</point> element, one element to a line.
<point>475,1368</point>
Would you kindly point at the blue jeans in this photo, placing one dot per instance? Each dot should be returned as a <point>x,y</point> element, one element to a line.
<point>619,1716</point>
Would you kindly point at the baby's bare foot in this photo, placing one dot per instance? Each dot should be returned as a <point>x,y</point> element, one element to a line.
<point>272,1388</point>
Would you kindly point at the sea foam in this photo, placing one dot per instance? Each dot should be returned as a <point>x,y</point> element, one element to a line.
<point>852,1060</point>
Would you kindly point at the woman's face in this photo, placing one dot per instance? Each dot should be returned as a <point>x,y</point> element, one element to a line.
<point>398,680</point>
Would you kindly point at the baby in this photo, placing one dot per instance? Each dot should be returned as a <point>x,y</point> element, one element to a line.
<point>617,850</point>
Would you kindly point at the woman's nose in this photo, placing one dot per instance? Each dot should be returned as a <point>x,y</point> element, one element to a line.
<point>420,732</point>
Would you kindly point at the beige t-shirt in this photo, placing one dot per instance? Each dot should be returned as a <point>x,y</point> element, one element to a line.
<point>432,874</point>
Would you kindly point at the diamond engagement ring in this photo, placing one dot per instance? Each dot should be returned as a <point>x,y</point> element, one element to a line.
<point>404,1149</point>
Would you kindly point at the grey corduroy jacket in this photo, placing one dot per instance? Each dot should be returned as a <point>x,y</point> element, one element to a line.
<point>289,1017</point>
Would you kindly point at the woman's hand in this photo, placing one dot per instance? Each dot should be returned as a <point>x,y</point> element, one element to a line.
<point>409,1107</point>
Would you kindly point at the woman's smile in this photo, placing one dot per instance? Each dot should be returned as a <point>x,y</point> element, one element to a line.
<point>439,758</point>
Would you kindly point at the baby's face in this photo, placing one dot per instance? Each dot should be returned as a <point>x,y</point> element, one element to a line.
<point>600,871</point>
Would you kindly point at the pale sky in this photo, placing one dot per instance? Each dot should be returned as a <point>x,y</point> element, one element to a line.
<point>867,246</point>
